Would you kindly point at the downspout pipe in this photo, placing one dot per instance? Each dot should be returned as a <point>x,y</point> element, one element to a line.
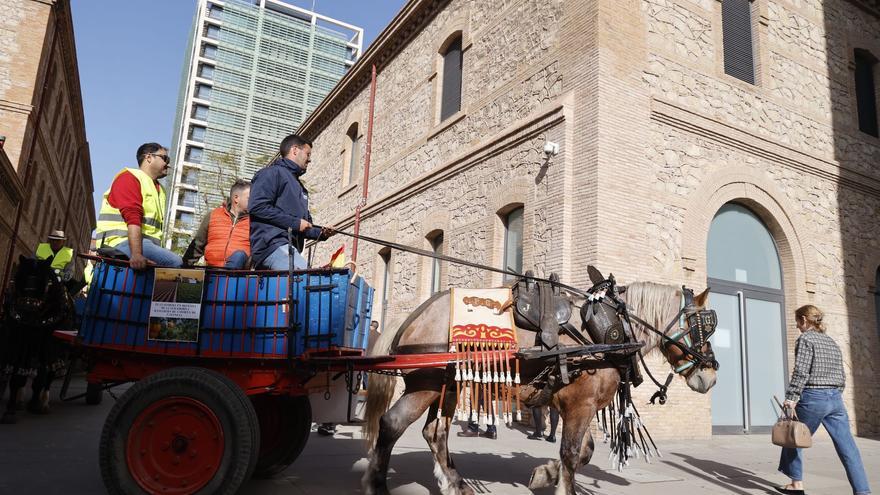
<point>368,154</point>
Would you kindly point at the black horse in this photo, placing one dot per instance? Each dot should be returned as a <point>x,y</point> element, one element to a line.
<point>36,304</point>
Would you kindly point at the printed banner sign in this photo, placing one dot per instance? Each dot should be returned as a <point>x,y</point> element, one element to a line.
<point>477,317</point>
<point>176,305</point>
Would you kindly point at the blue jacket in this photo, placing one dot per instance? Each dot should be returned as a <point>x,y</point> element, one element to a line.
<point>278,200</point>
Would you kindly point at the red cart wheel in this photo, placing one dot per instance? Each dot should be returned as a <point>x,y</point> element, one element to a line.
<point>180,431</point>
<point>285,424</point>
<point>174,446</point>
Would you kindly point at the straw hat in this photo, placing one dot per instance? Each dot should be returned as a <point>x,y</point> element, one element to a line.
<point>57,235</point>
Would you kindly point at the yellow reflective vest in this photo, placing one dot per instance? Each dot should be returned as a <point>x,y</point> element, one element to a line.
<point>111,229</point>
<point>87,272</point>
<point>61,258</point>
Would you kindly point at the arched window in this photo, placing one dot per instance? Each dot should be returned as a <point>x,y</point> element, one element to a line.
<point>450,95</point>
<point>746,279</point>
<point>736,27</point>
<point>742,250</point>
<point>353,145</point>
<point>436,241</point>
<point>513,241</point>
<point>866,91</point>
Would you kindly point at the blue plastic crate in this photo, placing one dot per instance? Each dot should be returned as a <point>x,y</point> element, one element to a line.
<point>243,314</point>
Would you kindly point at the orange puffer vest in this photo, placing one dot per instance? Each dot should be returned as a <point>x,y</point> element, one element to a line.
<point>226,237</point>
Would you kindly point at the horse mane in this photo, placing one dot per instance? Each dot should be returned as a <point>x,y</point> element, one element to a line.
<point>651,302</point>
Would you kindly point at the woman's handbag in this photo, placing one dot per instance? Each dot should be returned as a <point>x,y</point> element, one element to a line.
<point>789,431</point>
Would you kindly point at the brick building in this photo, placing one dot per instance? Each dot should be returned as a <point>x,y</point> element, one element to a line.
<point>703,142</point>
<point>45,168</point>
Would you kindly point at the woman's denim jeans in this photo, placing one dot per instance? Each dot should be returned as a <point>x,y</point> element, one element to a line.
<point>825,406</point>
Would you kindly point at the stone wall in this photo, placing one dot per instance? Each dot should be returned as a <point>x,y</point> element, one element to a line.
<point>655,138</point>
<point>41,110</point>
<point>786,147</point>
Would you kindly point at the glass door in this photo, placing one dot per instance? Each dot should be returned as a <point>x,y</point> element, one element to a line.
<point>749,345</point>
<point>728,414</point>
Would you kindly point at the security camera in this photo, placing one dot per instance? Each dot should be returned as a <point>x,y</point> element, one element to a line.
<point>551,148</point>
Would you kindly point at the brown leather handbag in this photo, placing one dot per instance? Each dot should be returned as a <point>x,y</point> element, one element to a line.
<point>789,431</point>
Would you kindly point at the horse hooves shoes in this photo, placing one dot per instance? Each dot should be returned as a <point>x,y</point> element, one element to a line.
<point>489,434</point>
<point>534,436</point>
<point>468,433</point>
<point>551,439</point>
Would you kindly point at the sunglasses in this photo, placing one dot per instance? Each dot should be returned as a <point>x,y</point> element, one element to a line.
<point>164,158</point>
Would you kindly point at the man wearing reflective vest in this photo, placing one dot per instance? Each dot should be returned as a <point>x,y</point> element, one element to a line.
<point>223,237</point>
<point>133,210</point>
<point>60,254</point>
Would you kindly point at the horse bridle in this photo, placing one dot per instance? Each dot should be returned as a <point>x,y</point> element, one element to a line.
<point>699,325</point>
<point>698,328</point>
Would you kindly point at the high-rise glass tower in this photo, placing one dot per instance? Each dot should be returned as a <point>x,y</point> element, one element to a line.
<point>254,70</point>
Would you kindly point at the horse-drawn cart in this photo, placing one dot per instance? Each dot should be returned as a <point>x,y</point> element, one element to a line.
<point>232,367</point>
<point>231,397</point>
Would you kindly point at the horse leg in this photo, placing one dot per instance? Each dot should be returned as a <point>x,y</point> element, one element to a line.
<point>576,426</point>
<point>393,423</point>
<point>16,383</point>
<point>4,380</point>
<point>587,448</point>
<point>39,402</point>
<point>436,433</point>
<point>548,474</point>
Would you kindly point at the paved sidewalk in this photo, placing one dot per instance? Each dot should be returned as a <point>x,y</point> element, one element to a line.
<point>57,454</point>
<point>724,465</point>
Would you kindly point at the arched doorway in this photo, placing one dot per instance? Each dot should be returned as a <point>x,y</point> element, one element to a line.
<point>745,277</point>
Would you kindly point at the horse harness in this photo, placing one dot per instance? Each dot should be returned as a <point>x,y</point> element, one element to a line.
<point>608,324</point>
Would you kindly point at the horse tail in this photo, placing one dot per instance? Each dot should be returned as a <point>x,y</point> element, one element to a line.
<point>380,389</point>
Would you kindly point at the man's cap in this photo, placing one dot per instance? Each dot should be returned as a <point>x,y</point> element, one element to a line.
<point>57,235</point>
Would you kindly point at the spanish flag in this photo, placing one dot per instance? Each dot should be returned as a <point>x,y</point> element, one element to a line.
<point>337,260</point>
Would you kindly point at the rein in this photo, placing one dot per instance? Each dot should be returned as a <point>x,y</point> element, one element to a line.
<point>459,261</point>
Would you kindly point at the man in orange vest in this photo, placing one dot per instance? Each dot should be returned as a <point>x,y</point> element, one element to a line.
<point>223,237</point>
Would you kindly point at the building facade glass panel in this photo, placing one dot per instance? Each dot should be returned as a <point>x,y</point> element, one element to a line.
<point>272,63</point>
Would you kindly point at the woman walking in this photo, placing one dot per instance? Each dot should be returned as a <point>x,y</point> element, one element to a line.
<point>814,392</point>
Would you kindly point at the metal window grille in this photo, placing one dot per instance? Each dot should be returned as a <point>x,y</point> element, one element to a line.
<point>736,24</point>
<point>866,91</point>
<point>451,95</point>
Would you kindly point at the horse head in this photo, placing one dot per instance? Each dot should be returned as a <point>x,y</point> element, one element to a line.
<point>33,293</point>
<point>682,336</point>
<point>687,348</point>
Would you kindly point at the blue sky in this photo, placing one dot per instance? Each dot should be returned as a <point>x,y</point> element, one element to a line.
<point>130,55</point>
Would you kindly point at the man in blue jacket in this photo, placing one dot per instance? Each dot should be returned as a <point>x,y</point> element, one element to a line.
<point>279,201</point>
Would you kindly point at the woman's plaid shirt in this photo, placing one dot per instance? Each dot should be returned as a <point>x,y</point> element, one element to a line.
<point>818,363</point>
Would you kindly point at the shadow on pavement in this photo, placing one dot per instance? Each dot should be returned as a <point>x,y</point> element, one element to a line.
<point>728,477</point>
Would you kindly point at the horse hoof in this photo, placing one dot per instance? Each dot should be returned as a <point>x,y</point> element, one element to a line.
<point>541,478</point>
<point>8,419</point>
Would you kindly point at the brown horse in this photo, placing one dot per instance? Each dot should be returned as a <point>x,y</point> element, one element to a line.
<point>428,328</point>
